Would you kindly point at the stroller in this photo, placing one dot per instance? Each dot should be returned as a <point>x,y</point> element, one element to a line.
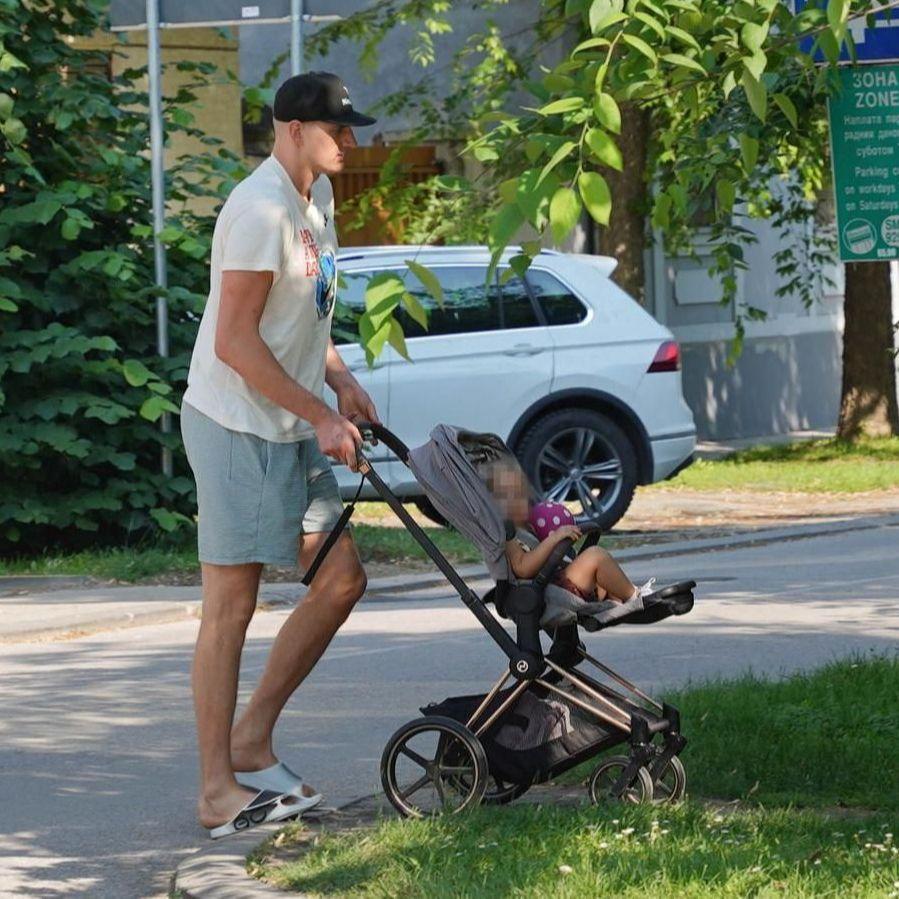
<point>491,748</point>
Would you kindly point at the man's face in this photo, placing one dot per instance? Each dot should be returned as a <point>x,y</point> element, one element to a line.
<point>324,143</point>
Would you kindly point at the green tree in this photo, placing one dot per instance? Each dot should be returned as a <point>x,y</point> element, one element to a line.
<point>82,385</point>
<point>671,108</point>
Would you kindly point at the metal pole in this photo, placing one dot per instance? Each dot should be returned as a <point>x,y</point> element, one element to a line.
<point>157,168</point>
<point>296,37</point>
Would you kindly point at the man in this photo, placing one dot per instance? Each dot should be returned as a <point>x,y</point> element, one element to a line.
<point>257,432</point>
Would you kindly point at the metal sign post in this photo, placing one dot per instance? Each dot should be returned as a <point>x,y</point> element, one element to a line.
<point>157,174</point>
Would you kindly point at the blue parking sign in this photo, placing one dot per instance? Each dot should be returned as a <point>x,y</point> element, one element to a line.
<point>877,44</point>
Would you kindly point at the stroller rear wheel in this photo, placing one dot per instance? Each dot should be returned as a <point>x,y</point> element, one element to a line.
<point>432,765</point>
<point>671,783</point>
<point>607,774</point>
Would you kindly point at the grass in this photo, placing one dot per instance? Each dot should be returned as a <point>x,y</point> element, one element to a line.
<point>377,543</point>
<point>817,466</point>
<point>819,740</point>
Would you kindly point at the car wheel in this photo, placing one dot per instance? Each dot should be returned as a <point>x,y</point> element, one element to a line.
<point>581,456</point>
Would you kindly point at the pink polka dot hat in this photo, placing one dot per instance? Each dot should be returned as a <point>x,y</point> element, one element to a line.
<point>547,516</point>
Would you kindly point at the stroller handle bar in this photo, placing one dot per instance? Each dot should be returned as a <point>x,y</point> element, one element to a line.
<point>388,438</point>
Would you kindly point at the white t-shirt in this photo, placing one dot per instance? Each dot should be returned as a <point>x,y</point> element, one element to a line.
<point>266,225</point>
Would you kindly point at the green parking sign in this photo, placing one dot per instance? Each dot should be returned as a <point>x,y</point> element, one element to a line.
<point>864,148</point>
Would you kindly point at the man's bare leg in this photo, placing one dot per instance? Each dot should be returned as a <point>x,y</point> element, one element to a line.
<point>229,599</point>
<point>303,637</point>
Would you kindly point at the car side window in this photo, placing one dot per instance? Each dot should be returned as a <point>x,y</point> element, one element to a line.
<point>517,309</point>
<point>559,304</point>
<point>468,305</point>
<point>350,305</point>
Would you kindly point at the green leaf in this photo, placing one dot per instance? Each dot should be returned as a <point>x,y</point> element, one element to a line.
<point>729,83</point>
<point>683,36</point>
<point>756,93</point>
<point>153,407</point>
<point>166,520</point>
<point>787,108</point>
<point>398,339</point>
<point>6,106</point>
<point>684,62</point>
<point>7,305</point>
<point>136,373</point>
<point>430,281</point>
<point>599,9</point>
<point>566,104</point>
<point>14,130</point>
<point>640,46</point>
<point>416,311</point>
<point>596,195</point>
<point>590,43</point>
<point>8,62</point>
<point>726,194</point>
<point>504,225</point>
<point>753,36</point>
<point>564,210</point>
<point>557,157</point>
<point>756,64</point>
<point>651,23</point>
<point>607,112</point>
<point>70,229</point>
<point>749,149</point>
<point>837,14</point>
<point>381,287</point>
<point>604,148</point>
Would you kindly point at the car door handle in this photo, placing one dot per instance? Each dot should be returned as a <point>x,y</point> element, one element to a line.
<point>523,349</point>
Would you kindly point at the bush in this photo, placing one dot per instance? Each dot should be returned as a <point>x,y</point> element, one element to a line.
<point>81,385</point>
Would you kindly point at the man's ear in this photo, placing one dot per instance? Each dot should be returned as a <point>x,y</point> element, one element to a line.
<point>296,131</point>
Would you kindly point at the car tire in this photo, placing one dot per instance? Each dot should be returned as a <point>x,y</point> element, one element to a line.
<point>605,449</point>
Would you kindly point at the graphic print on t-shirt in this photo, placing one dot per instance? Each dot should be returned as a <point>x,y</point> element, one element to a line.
<point>322,267</point>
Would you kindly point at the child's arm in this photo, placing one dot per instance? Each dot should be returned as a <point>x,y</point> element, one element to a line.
<point>527,564</point>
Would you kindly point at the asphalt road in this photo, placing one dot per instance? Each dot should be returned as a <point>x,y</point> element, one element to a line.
<point>97,764</point>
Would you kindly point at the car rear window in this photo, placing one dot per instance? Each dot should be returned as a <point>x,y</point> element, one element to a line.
<point>560,306</point>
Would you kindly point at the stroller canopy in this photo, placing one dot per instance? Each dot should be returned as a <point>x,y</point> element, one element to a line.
<point>449,468</point>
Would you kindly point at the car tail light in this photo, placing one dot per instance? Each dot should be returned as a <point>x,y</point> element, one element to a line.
<point>667,357</point>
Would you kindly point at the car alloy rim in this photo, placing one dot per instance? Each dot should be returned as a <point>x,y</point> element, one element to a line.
<point>581,465</point>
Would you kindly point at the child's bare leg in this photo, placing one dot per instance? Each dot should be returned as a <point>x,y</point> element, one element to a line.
<point>595,570</point>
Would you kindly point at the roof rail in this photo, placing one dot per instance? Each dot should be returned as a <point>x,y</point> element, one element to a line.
<point>392,249</point>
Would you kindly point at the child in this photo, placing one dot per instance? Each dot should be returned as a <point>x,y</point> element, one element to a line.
<point>593,575</point>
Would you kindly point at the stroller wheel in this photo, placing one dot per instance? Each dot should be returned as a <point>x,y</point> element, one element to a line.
<point>433,765</point>
<point>501,793</point>
<point>671,783</point>
<point>607,774</point>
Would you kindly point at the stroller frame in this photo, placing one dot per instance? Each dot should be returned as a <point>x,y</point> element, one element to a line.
<point>636,719</point>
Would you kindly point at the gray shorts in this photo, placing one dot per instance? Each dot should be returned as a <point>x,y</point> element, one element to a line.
<point>256,497</point>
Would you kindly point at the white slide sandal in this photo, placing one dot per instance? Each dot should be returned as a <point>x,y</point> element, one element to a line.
<point>265,807</point>
<point>279,777</point>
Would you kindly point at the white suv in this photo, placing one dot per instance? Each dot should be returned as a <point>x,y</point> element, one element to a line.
<point>580,381</point>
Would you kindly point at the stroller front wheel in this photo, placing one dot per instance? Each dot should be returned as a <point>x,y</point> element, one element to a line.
<point>671,783</point>
<point>605,777</point>
<point>433,765</point>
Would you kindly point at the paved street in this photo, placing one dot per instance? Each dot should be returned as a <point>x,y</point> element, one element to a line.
<point>97,766</point>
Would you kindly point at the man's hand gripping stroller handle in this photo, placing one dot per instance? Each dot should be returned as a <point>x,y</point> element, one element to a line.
<point>371,430</point>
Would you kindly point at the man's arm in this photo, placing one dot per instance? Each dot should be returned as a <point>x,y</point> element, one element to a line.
<point>240,346</point>
<point>352,400</point>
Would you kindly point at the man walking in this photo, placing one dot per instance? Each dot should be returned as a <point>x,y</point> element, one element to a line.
<point>257,434</point>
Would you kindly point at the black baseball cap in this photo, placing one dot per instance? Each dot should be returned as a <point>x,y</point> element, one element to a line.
<point>317,97</point>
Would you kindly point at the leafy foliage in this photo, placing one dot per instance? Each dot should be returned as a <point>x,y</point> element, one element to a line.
<point>82,387</point>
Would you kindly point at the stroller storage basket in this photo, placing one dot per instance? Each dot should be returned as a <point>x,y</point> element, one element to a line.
<point>537,738</point>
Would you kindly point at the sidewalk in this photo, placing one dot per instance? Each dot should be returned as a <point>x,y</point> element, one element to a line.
<point>28,615</point>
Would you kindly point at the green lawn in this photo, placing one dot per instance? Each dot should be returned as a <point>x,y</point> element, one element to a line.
<point>820,740</point>
<point>818,466</point>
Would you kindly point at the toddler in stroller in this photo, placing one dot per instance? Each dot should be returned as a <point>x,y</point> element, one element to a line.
<point>592,575</point>
<point>490,748</point>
